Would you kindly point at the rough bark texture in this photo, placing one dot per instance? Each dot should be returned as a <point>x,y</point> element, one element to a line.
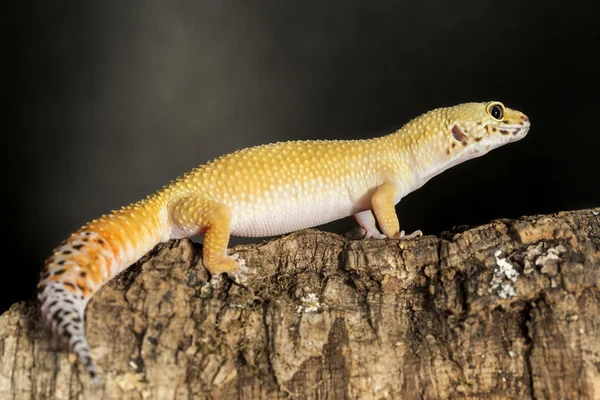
<point>510,309</point>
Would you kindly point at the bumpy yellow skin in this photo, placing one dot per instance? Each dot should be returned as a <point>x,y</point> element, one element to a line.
<point>270,190</point>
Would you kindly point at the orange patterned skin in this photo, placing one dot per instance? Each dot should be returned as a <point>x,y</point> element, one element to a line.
<point>268,190</point>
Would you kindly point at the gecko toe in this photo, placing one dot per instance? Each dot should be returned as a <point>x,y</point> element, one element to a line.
<point>403,236</point>
<point>241,276</point>
<point>414,235</point>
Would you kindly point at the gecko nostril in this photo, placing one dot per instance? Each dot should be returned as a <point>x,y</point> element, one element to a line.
<point>524,118</point>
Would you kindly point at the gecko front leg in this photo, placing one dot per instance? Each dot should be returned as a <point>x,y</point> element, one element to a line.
<point>383,208</point>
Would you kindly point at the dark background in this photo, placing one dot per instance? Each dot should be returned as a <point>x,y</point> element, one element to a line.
<point>111,100</point>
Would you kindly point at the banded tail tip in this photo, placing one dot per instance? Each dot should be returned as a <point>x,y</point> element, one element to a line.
<point>63,311</point>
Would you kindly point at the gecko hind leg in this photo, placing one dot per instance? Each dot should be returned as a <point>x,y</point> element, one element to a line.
<point>216,240</point>
<point>196,214</point>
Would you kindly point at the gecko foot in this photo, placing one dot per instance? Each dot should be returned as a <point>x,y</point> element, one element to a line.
<point>240,275</point>
<point>359,233</point>
<point>375,235</point>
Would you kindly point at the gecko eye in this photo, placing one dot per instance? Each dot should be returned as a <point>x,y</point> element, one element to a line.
<point>496,111</point>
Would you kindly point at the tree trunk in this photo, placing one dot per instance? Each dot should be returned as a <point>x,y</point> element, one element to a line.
<point>507,310</point>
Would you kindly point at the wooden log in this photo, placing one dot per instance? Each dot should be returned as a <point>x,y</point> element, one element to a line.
<point>506,310</point>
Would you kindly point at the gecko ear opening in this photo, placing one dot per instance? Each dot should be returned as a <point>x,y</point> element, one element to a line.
<point>458,134</point>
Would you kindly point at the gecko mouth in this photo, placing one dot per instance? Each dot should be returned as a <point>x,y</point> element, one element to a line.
<point>514,129</point>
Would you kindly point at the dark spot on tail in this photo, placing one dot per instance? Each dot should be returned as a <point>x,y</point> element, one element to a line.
<point>67,252</point>
<point>78,246</point>
<point>59,272</point>
<point>69,284</point>
<point>66,333</point>
<point>56,317</point>
<point>61,262</point>
<point>101,242</point>
<point>82,274</point>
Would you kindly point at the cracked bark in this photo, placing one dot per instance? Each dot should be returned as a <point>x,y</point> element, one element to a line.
<point>325,316</point>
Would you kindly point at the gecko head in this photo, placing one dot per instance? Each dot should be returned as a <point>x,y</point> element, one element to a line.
<point>476,128</point>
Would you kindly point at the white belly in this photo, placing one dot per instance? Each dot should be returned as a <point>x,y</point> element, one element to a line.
<point>279,216</point>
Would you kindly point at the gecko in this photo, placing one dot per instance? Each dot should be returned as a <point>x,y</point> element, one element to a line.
<point>268,190</point>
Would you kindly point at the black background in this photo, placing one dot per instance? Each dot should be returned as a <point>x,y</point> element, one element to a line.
<point>108,101</point>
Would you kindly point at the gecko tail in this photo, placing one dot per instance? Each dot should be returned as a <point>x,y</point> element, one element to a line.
<point>64,312</point>
<point>76,270</point>
<point>87,260</point>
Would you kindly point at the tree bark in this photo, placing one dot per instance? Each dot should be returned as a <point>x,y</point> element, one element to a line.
<point>507,310</point>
